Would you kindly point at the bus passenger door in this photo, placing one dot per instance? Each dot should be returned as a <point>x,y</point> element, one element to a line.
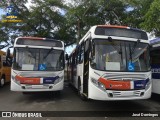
<point>86,67</point>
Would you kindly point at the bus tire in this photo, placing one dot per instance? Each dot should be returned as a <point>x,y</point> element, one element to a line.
<point>2,81</point>
<point>84,98</point>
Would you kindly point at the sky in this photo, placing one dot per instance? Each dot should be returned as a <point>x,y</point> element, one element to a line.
<point>1,12</point>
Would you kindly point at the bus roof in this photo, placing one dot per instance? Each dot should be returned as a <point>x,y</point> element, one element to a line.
<point>112,26</point>
<point>50,42</point>
<point>93,28</point>
<point>117,26</point>
<point>35,38</point>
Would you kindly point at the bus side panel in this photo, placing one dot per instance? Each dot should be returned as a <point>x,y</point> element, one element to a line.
<point>155,77</point>
<point>7,73</point>
<point>156,88</point>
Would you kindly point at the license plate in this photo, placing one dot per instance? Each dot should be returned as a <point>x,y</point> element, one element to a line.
<point>37,86</point>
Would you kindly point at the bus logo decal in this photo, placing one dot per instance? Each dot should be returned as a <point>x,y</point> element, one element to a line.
<point>42,67</point>
<point>131,66</point>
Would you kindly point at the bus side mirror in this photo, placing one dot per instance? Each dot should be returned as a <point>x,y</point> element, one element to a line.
<point>66,56</point>
<point>12,41</point>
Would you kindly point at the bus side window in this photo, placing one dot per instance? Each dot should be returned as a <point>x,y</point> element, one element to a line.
<point>73,59</point>
<point>77,55</point>
<point>76,59</point>
<point>81,53</point>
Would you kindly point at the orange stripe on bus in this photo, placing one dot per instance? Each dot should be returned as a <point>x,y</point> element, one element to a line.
<point>112,26</point>
<point>33,38</point>
<point>116,84</point>
<point>24,80</point>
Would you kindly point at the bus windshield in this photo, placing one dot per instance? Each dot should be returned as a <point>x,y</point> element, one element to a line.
<point>116,55</point>
<point>35,59</point>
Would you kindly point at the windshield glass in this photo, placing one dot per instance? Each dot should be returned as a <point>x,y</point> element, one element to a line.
<point>114,55</point>
<point>38,59</point>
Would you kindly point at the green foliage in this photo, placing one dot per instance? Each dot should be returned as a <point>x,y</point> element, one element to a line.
<point>43,19</point>
<point>84,14</point>
<point>152,18</point>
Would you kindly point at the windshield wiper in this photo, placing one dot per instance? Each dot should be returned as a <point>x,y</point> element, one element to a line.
<point>114,46</point>
<point>131,51</point>
<point>134,47</point>
<point>48,53</point>
<point>30,52</point>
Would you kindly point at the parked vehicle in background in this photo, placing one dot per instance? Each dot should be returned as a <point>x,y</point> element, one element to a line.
<point>38,65</point>
<point>155,64</point>
<point>5,67</point>
<point>111,63</point>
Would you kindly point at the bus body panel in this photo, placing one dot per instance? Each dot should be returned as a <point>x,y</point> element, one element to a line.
<point>155,64</point>
<point>15,86</point>
<point>98,94</point>
<point>37,88</point>
<point>156,84</point>
<point>5,69</point>
<point>7,72</point>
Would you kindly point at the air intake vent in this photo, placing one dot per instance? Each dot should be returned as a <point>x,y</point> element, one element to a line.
<point>136,93</point>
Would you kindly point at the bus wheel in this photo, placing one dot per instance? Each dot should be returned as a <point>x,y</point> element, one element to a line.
<point>84,98</point>
<point>2,82</point>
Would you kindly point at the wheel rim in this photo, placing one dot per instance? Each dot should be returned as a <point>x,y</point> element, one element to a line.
<point>2,81</point>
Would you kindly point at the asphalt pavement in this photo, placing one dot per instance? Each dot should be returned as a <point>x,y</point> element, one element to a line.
<point>67,105</point>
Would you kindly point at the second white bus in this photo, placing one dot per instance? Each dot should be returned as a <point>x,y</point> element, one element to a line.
<point>111,63</point>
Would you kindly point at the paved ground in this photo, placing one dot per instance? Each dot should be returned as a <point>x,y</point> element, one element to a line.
<point>68,100</point>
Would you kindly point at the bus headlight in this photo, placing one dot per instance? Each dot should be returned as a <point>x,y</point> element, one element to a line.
<point>15,80</point>
<point>148,84</point>
<point>58,80</point>
<point>98,84</point>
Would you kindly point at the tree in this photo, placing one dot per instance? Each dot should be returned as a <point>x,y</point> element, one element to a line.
<point>152,18</point>
<point>83,14</point>
<point>43,19</point>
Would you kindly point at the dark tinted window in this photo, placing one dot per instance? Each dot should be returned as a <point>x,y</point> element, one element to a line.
<point>121,32</point>
<point>50,43</point>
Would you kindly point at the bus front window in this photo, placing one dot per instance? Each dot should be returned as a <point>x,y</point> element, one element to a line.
<point>116,55</point>
<point>32,58</point>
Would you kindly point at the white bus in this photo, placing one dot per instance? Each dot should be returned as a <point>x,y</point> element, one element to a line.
<point>155,64</point>
<point>111,63</point>
<point>38,65</point>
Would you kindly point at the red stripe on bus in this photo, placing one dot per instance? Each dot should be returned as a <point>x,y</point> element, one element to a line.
<point>33,38</point>
<point>112,26</point>
<point>116,84</point>
<point>24,80</point>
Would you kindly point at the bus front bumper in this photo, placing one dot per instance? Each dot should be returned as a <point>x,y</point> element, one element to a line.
<point>35,88</point>
<point>98,94</point>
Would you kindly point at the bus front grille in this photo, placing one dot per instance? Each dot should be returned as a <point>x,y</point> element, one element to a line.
<point>137,93</point>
